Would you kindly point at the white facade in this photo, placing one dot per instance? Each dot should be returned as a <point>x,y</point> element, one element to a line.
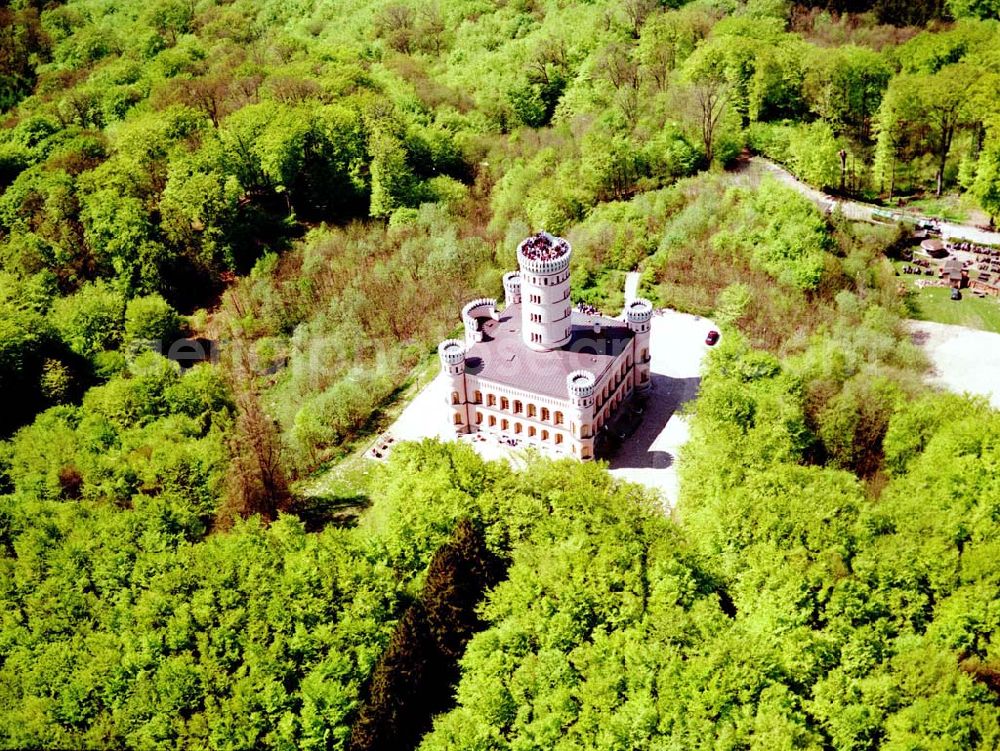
<point>539,373</point>
<point>545,305</point>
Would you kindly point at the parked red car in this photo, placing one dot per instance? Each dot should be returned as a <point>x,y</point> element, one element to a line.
<point>712,338</point>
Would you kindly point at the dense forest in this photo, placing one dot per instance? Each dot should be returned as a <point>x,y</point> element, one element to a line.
<point>311,189</point>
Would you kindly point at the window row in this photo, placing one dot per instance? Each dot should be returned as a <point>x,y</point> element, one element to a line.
<point>520,408</point>
<point>547,281</point>
<point>537,300</point>
<point>519,429</point>
<point>537,317</point>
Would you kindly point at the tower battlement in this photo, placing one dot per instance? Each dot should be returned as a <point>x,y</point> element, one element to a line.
<point>451,352</point>
<point>472,313</point>
<point>639,310</point>
<point>543,254</point>
<point>512,288</point>
<point>580,384</point>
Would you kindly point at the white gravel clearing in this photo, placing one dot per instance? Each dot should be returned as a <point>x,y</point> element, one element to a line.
<point>964,360</point>
<point>649,457</point>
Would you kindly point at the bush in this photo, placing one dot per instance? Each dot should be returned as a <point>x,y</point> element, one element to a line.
<point>151,318</point>
<point>91,320</point>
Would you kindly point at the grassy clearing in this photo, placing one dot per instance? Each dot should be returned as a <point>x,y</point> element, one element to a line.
<point>950,207</point>
<point>935,304</point>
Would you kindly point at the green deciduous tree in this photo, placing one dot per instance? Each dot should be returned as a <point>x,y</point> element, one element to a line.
<point>151,319</point>
<point>91,320</point>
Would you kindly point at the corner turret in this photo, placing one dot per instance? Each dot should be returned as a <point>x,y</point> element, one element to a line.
<point>638,317</point>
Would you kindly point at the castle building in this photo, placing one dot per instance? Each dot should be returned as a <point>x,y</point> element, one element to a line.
<point>541,371</point>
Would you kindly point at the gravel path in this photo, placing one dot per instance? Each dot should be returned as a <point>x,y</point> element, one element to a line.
<point>863,211</point>
<point>631,287</point>
<point>964,360</point>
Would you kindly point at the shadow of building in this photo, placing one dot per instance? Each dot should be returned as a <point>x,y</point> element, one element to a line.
<point>666,396</point>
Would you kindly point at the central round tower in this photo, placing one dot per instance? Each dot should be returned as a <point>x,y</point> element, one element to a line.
<point>545,306</point>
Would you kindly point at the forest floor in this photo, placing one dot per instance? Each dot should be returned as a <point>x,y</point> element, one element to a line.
<point>964,360</point>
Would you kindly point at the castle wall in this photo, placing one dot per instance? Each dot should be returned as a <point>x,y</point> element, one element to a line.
<point>568,424</point>
<point>558,424</point>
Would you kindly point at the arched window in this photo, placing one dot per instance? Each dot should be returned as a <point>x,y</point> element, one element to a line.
<point>504,425</point>
<point>559,418</point>
<point>493,421</point>
<point>531,431</point>
<point>558,438</point>
<point>545,414</point>
<point>479,417</point>
<point>454,397</point>
<point>531,410</point>
<point>479,396</point>
<point>518,406</point>
<point>457,419</point>
<point>491,400</point>
<point>545,435</point>
<point>504,403</point>
<point>517,428</point>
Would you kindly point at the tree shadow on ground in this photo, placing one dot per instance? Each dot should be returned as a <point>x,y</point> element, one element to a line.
<point>317,512</point>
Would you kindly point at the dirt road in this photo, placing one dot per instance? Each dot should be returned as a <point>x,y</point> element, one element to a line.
<point>862,211</point>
